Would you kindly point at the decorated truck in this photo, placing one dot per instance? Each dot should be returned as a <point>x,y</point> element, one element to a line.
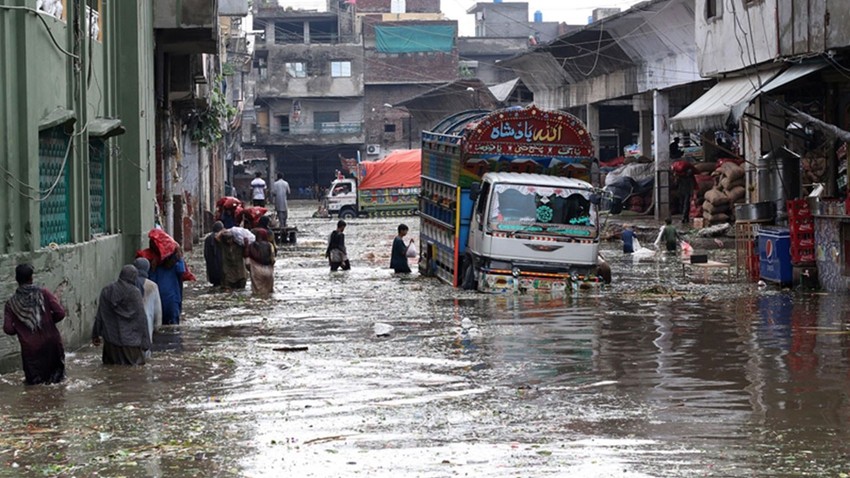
<point>388,187</point>
<point>507,201</point>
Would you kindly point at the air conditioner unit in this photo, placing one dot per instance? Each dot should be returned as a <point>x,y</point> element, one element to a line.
<point>373,149</point>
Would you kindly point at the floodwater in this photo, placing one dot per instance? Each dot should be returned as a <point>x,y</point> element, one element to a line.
<point>654,376</point>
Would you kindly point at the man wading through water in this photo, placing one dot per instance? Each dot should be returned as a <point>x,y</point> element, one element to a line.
<point>32,314</point>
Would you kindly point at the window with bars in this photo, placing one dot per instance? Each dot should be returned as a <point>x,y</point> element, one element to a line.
<point>98,154</point>
<point>54,151</point>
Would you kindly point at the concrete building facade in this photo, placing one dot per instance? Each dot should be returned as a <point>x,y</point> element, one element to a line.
<point>77,194</point>
<point>308,90</point>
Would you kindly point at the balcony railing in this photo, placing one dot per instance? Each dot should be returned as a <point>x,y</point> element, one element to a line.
<point>325,129</point>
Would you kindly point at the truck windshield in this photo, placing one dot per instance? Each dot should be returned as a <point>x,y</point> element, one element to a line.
<point>529,208</point>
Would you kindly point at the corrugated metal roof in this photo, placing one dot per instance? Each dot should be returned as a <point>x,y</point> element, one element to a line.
<point>723,104</point>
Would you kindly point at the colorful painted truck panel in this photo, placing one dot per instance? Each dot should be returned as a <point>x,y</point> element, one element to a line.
<point>388,187</point>
<point>507,200</point>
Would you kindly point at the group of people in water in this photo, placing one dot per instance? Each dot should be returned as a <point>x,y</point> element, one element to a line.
<point>149,293</point>
<point>232,254</point>
<point>146,295</point>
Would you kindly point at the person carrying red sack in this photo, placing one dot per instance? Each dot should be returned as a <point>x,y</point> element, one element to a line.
<point>169,271</point>
<point>684,172</point>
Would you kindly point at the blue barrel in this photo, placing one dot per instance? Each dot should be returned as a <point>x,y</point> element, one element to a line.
<point>775,255</point>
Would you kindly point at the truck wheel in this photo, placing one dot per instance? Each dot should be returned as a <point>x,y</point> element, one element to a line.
<point>468,278</point>
<point>347,214</point>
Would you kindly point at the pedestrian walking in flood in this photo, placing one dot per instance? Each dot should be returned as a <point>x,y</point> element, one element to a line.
<point>32,314</point>
<point>150,295</point>
<point>233,260</point>
<point>212,255</point>
<point>261,258</point>
<point>628,236</point>
<point>336,252</point>
<point>258,190</point>
<point>121,324</point>
<point>280,193</point>
<point>168,271</point>
<point>398,258</point>
<point>668,235</point>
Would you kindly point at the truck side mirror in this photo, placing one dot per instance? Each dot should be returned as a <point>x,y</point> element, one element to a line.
<point>474,191</point>
<point>595,199</point>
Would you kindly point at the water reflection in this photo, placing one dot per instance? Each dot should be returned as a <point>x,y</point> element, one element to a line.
<point>652,376</point>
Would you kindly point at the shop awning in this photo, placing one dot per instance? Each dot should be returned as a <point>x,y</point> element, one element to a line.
<point>724,103</point>
<point>792,74</point>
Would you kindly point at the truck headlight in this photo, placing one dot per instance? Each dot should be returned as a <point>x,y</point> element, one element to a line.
<point>515,272</point>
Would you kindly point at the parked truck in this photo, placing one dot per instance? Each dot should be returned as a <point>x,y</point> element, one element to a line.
<point>507,202</point>
<point>388,187</point>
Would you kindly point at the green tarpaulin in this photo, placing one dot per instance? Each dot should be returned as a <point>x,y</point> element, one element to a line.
<point>415,39</point>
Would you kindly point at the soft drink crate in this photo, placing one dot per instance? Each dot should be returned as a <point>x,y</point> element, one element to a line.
<point>802,240</point>
<point>802,226</point>
<point>803,256</point>
<point>798,209</point>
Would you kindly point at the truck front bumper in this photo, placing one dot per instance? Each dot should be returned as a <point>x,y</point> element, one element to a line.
<point>502,281</point>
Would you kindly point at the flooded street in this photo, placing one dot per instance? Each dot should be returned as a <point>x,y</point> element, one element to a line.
<point>649,377</point>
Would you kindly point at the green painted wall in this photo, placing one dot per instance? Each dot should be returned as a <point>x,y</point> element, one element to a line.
<point>112,78</point>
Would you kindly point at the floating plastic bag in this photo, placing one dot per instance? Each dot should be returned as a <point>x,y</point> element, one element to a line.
<point>412,251</point>
<point>687,250</point>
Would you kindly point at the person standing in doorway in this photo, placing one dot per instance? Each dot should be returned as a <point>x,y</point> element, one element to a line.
<point>336,252</point>
<point>398,257</point>
<point>32,314</point>
<point>258,190</point>
<point>280,193</point>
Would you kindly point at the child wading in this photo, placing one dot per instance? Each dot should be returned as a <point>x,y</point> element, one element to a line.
<point>336,253</point>
<point>398,259</point>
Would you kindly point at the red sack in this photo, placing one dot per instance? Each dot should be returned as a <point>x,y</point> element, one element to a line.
<point>253,214</point>
<point>228,202</point>
<point>682,167</point>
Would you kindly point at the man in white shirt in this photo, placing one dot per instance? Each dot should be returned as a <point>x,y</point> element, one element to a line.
<point>280,191</point>
<point>258,191</point>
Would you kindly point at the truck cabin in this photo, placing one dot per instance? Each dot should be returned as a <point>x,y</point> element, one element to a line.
<point>561,207</point>
<point>341,188</point>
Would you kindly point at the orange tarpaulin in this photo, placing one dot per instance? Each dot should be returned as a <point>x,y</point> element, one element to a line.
<point>399,169</point>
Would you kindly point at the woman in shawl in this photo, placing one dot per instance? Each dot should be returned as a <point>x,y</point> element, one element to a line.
<point>150,295</point>
<point>121,324</point>
<point>32,314</point>
<point>261,263</point>
<point>212,255</point>
<point>232,261</point>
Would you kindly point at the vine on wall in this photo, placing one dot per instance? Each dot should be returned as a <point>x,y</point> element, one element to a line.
<point>209,126</point>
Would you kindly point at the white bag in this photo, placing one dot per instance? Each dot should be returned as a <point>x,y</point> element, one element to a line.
<point>412,251</point>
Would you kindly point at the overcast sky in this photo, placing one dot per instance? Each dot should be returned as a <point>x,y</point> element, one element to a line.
<point>574,12</point>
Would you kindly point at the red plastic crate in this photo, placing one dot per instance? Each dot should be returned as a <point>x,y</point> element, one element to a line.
<point>803,240</point>
<point>803,256</point>
<point>798,209</point>
<point>802,226</point>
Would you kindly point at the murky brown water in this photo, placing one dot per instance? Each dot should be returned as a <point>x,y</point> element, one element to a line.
<point>718,379</point>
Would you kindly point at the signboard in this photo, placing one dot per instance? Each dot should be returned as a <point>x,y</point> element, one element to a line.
<point>530,132</point>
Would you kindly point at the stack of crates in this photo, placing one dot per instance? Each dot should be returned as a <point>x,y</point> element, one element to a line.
<point>802,227</point>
